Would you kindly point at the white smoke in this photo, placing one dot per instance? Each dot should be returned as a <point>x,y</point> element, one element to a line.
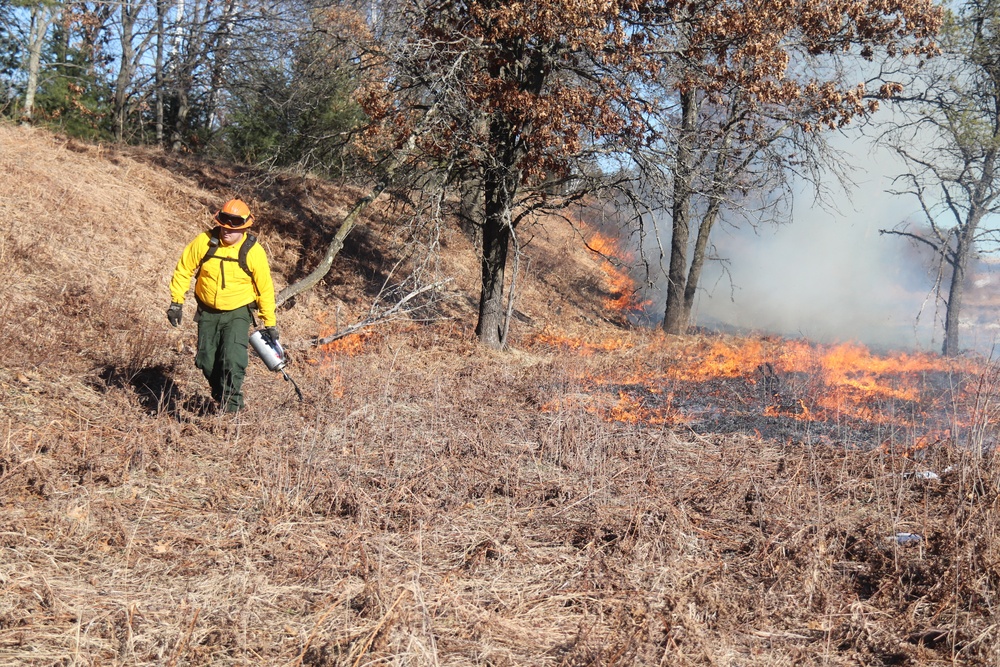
<point>828,276</point>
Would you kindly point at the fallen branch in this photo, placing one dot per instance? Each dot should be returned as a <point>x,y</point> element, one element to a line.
<point>350,220</point>
<point>335,246</point>
<point>377,315</point>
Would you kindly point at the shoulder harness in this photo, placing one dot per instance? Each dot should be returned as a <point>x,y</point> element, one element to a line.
<point>213,245</point>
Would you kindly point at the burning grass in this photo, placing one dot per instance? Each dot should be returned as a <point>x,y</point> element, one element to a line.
<point>778,388</point>
<point>623,297</point>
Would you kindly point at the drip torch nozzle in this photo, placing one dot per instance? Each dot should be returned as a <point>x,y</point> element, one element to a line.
<point>288,379</point>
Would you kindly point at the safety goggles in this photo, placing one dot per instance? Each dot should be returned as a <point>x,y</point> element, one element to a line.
<point>231,220</point>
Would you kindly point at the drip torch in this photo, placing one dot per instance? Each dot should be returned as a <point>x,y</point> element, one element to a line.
<point>272,354</point>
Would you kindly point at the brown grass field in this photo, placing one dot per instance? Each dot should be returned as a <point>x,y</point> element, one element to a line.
<point>596,495</point>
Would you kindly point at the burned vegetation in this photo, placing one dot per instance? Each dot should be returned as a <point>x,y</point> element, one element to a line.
<point>785,389</point>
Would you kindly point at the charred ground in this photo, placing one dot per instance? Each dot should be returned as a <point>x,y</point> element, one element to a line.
<point>594,496</point>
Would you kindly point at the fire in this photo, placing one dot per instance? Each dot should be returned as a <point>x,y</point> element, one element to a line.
<point>660,380</point>
<point>798,409</point>
<point>348,346</point>
<point>854,382</point>
<point>721,360</point>
<point>337,384</point>
<point>624,292</point>
<point>578,345</point>
<point>632,409</point>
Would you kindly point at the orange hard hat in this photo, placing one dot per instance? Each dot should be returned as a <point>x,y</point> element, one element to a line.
<point>234,215</point>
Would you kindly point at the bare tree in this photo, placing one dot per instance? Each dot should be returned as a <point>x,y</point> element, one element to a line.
<point>42,14</point>
<point>198,54</point>
<point>950,139</point>
<point>131,55</point>
<point>159,64</point>
<point>753,94</point>
<point>217,47</point>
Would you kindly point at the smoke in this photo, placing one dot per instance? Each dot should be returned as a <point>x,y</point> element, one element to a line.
<point>825,277</point>
<point>828,276</point>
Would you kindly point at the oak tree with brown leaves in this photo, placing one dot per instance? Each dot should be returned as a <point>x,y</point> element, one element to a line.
<point>544,101</point>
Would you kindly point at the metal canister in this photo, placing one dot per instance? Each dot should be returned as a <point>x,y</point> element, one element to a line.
<point>268,350</point>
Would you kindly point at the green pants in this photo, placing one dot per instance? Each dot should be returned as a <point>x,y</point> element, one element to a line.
<point>223,337</point>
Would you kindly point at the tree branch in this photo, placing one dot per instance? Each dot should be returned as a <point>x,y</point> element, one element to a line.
<point>376,316</point>
<point>350,221</point>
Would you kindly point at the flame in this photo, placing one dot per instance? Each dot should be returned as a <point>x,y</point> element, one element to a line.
<point>854,382</point>
<point>662,381</point>
<point>632,409</point>
<point>348,346</point>
<point>337,384</point>
<point>623,289</point>
<point>797,409</point>
<point>629,409</point>
<point>578,345</point>
<point>721,360</point>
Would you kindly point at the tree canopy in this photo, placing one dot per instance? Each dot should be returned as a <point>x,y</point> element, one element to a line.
<point>545,101</point>
<point>671,109</point>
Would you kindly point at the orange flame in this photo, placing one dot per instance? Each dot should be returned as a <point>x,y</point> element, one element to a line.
<point>347,346</point>
<point>800,380</point>
<point>624,292</point>
<point>582,347</point>
<point>337,385</point>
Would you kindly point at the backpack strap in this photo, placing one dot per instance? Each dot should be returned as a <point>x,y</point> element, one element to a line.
<point>213,245</point>
<point>244,249</point>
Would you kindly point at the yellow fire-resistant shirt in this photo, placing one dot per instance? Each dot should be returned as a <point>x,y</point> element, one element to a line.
<point>222,284</point>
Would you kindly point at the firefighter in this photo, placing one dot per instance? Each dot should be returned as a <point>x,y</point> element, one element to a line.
<point>232,279</point>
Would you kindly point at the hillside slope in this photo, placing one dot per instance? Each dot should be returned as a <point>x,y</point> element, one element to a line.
<point>431,502</point>
<point>90,236</point>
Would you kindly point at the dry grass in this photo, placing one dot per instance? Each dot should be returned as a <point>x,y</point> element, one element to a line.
<point>426,504</point>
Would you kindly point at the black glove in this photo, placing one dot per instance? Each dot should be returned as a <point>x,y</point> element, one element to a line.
<point>272,333</point>
<point>174,313</point>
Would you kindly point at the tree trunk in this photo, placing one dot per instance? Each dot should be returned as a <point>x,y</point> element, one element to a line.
<point>499,194</point>
<point>956,292</point>
<point>126,68</point>
<point>719,187</point>
<point>175,47</point>
<point>698,258</point>
<point>673,319</point>
<point>180,120</point>
<point>221,48</point>
<point>158,65</point>
<point>180,81</point>
<point>965,246</point>
<point>41,17</point>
